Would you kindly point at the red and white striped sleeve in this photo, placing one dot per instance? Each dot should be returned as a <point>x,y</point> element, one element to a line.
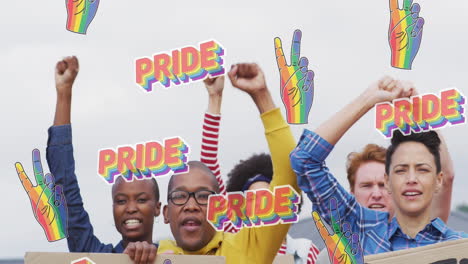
<point>282,250</point>
<point>209,154</point>
<point>209,147</point>
<point>313,254</point>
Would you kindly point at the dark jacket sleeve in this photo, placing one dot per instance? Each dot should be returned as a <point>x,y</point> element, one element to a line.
<point>62,166</point>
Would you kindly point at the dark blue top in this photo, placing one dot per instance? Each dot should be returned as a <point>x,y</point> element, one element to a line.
<point>81,237</point>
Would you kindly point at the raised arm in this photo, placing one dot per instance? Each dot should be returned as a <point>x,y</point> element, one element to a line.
<point>210,137</point>
<point>66,71</point>
<point>211,123</point>
<point>62,164</point>
<point>386,89</point>
<point>441,203</point>
<point>249,78</point>
<point>442,200</point>
<point>262,243</point>
<point>308,159</point>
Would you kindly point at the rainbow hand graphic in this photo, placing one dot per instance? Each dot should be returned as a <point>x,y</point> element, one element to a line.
<point>405,33</point>
<point>47,200</point>
<point>297,82</point>
<point>343,246</point>
<point>84,260</point>
<point>80,13</point>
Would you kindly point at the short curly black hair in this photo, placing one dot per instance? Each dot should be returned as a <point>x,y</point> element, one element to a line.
<point>246,169</point>
<point>430,139</point>
<point>249,168</point>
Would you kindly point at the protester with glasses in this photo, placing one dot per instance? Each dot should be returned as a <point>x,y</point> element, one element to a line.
<point>187,193</point>
<point>250,174</point>
<point>182,197</point>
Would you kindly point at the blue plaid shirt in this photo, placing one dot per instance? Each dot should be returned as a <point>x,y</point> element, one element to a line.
<point>376,233</point>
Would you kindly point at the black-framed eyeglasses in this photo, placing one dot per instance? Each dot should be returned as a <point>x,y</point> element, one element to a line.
<point>182,197</point>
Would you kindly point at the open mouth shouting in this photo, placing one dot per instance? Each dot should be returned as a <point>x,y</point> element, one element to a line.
<point>191,224</point>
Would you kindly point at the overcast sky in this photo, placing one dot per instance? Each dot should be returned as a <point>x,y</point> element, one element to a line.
<point>345,42</point>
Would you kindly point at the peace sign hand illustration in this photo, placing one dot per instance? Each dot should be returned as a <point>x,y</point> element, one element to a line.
<point>405,33</point>
<point>297,82</point>
<point>47,200</point>
<point>80,14</point>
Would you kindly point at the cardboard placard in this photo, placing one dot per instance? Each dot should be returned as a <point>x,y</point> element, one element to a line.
<point>99,258</point>
<point>450,252</point>
<point>104,258</point>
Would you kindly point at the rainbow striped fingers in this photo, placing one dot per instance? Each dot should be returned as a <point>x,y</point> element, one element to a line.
<point>47,200</point>
<point>84,260</point>
<point>405,33</point>
<point>80,14</point>
<point>297,82</point>
<point>343,246</point>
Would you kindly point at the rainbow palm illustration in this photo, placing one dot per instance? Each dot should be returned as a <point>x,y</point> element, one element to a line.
<point>343,246</point>
<point>297,82</point>
<point>84,260</point>
<point>405,33</point>
<point>80,13</point>
<point>47,200</point>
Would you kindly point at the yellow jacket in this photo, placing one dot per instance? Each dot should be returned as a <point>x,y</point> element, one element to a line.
<point>257,244</point>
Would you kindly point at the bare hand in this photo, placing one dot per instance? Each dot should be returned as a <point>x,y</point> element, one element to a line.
<point>214,85</point>
<point>66,71</point>
<point>387,89</point>
<point>141,252</point>
<point>248,77</point>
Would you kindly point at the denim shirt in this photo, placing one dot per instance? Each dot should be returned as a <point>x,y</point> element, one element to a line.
<point>376,233</point>
<point>62,165</point>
